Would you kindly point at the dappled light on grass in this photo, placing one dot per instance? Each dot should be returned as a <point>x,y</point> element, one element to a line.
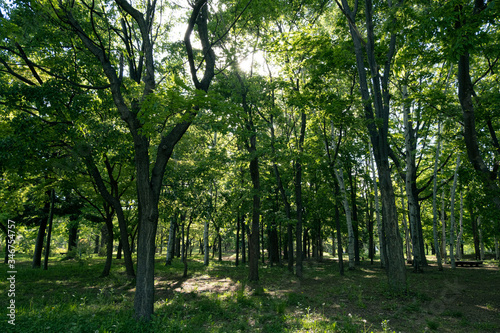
<point>72,298</point>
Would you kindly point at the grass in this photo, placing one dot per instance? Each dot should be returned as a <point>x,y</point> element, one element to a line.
<point>71,297</point>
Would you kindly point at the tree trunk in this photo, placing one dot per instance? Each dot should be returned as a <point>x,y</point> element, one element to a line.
<point>273,244</point>
<point>452,213</point>
<point>288,253</point>
<point>37,255</point>
<point>112,198</point>
<point>185,251</point>
<point>298,197</point>
<point>109,244</point>
<point>481,243</point>
<point>461,231</point>
<point>104,240</point>
<point>253,243</point>
<point>183,244</point>
<point>72,236</point>
<point>407,232</point>
<point>206,250</point>
<point>371,243</point>
<point>171,240</point>
<point>434,201</point>
<point>243,241</point>
<point>380,226</point>
<point>148,220</point>
<point>49,231</point>
<point>411,188</point>
<point>219,241</point>
<point>475,232</point>
<point>443,226</point>
<point>119,250</point>
<point>355,222</point>
<point>347,209</point>
<point>339,231</point>
<point>465,93</point>
<point>237,238</point>
<point>377,98</point>
<point>497,248</point>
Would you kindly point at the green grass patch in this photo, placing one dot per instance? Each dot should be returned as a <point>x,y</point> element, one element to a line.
<point>72,297</point>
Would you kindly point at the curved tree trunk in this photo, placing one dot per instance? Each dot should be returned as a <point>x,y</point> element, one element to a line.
<point>465,94</point>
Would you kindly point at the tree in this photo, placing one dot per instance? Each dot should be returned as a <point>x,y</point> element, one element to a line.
<point>470,20</point>
<point>376,106</point>
<point>132,35</point>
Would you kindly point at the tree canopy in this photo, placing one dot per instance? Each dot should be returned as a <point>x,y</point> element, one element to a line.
<point>292,127</point>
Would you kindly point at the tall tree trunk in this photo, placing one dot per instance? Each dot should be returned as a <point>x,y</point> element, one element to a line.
<point>183,243</point>
<point>443,226</point>
<point>148,180</point>
<point>380,227</point>
<point>219,243</point>
<point>371,243</point>
<point>273,244</point>
<point>72,235</point>
<point>411,188</point>
<point>112,198</point>
<point>407,232</point>
<point>481,243</point>
<point>243,241</point>
<point>347,209</point>
<point>288,254</point>
<point>253,243</point>
<point>109,243</point>
<point>185,252</point>
<point>37,255</point>
<point>434,201</point>
<point>355,222</point>
<point>475,231</point>
<point>49,230</point>
<point>298,198</point>
<point>339,231</point>
<point>461,231</point>
<point>288,249</point>
<point>206,250</point>
<point>104,240</point>
<point>452,213</point>
<point>377,98</point>
<point>171,240</point>
<point>497,248</point>
<point>238,238</point>
<point>119,250</point>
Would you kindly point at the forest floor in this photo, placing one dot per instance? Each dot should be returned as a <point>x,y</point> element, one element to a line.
<point>71,297</point>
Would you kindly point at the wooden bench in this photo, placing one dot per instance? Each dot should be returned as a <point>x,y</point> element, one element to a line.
<point>468,263</point>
